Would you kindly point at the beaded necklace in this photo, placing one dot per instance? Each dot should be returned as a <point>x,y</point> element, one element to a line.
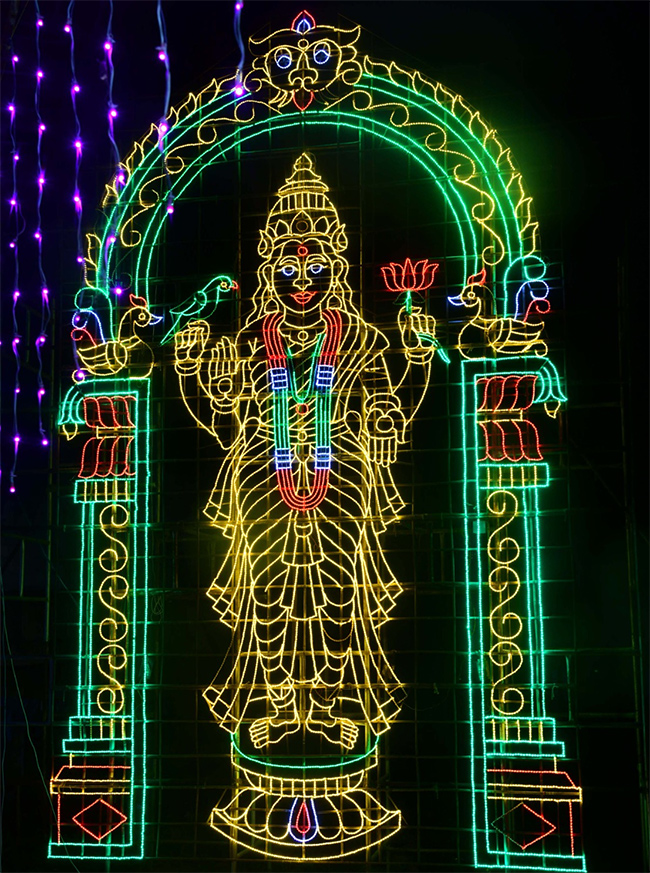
<point>282,382</point>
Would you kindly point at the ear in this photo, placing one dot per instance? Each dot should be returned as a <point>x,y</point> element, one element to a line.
<point>266,273</point>
<point>349,37</point>
<point>340,240</point>
<point>337,267</point>
<point>265,245</point>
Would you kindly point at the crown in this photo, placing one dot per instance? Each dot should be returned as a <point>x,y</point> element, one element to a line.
<point>304,25</point>
<point>302,209</point>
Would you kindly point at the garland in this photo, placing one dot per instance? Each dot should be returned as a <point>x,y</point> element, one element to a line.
<point>282,382</point>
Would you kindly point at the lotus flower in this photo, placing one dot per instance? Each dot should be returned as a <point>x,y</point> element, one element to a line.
<point>409,277</point>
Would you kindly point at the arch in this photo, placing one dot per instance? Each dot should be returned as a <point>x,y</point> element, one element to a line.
<point>471,168</point>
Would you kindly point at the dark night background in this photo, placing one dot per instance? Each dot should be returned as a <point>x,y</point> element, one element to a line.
<point>565,85</point>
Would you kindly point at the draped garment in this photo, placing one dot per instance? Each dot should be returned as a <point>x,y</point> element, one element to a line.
<point>305,592</point>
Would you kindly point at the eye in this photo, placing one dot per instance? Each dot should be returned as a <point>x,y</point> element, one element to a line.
<point>316,269</point>
<point>288,271</point>
<point>283,58</point>
<point>322,53</point>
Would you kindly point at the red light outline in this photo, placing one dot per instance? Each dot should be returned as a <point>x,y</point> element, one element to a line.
<point>528,449</point>
<point>99,409</point>
<point>276,357</point>
<point>90,806</point>
<point>299,17</point>
<point>116,457</point>
<point>489,383</point>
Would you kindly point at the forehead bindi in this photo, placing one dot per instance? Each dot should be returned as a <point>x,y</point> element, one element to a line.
<point>299,248</point>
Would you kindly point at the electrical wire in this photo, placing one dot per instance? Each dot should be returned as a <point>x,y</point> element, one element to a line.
<point>41,339</point>
<point>163,127</point>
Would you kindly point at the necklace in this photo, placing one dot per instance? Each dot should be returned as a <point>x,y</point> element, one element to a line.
<point>282,383</point>
<point>301,398</point>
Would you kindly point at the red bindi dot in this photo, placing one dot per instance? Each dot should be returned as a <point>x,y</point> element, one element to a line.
<point>302,251</point>
<point>302,408</point>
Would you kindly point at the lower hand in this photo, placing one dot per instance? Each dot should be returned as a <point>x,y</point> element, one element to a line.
<point>386,424</point>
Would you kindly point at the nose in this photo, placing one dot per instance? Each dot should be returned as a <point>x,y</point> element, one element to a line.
<point>302,72</point>
<point>303,279</point>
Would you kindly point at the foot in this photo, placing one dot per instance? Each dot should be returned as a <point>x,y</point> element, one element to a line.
<point>339,731</point>
<point>265,731</point>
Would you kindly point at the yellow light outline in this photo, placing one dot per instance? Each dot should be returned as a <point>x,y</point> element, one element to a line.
<point>334,547</point>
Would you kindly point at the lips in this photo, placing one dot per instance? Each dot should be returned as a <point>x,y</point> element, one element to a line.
<point>303,297</point>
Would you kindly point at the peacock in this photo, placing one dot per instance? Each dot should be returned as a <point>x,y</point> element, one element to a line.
<point>506,336</point>
<point>107,358</point>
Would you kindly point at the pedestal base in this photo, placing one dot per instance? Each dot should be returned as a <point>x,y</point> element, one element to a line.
<point>303,819</point>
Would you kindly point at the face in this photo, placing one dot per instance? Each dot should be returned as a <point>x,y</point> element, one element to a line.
<point>302,274</point>
<point>308,65</point>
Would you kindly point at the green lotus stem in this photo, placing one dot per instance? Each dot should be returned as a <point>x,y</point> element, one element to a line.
<point>426,337</point>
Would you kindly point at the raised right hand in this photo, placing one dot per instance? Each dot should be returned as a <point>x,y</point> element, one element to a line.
<point>224,366</point>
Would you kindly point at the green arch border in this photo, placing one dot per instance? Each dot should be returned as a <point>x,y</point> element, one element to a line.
<point>517,265</point>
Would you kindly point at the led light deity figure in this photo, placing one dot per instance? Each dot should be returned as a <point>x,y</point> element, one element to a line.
<point>305,490</point>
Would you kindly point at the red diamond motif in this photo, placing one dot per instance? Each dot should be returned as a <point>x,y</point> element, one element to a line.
<point>99,829</point>
<point>516,822</point>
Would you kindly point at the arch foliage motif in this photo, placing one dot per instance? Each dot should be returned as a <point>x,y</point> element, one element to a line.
<point>524,809</point>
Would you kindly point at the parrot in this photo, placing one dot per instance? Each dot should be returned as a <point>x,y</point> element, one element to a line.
<point>201,305</point>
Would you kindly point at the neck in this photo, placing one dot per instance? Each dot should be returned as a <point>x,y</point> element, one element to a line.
<point>294,322</point>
